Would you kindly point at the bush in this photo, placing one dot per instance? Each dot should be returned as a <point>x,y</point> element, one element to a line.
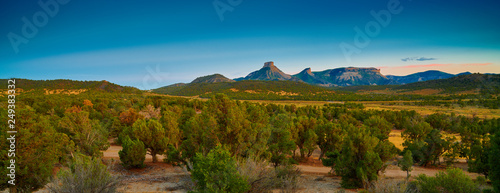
<point>390,186</point>
<point>259,176</point>
<point>216,172</point>
<point>262,178</point>
<point>288,178</point>
<point>133,153</point>
<point>85,175</point>
<point>453,180</point>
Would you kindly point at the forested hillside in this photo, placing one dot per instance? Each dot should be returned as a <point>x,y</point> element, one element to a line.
<point>245,86</point>
<point>483,83</point>
<point>37,85</point>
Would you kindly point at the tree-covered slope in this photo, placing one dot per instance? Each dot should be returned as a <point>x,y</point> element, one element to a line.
<point>106,86</point>
<point>246,86</point>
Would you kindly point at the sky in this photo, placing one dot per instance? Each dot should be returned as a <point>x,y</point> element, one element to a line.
<point>154,43</point>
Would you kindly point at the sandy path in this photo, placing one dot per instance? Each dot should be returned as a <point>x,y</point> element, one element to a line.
<point>112,152</point>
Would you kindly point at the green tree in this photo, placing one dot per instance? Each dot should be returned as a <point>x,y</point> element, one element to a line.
<point>201,136</point>
<point>88,135</point>
<point>406,164</point>
<point>379,127</point>
<point>494,159</point>
<point>435,147</point>
<point>169,121</point>
<point>280,142</point>
<point>261,130</point>
<point>133,153</point>
<point>329,137</point>
<point>307,138</point>
<point>453,180</point>
<point>233,129</point>
<point>358,163</point>
<point>479,157</point>
<point>38,148</point>
<point>216,172</point>
<point>153,135</point>
<point>415,131</point>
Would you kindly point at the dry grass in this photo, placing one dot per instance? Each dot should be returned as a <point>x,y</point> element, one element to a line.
<point>396,139</point>
<point>423,92</point>
<point>427,110</point>
<point>291,102</point>
<point>64,91</point>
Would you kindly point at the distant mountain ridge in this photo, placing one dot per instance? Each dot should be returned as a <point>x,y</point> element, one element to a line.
<point>344,76</point>
<point>103,85</point>
<point>351,76</point>
<point>212,79</point>
<point>485,83</point>
<point>423,76</point>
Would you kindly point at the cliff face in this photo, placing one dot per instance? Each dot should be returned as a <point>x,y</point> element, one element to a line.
<point>308,76</point>
<point>344,77</point>
<point>268,72</point>
<point>348,76</point>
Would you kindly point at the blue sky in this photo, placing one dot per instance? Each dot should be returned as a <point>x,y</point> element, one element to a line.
<point>149,44</point>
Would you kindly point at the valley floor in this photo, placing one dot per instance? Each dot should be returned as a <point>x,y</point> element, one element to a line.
<point>162,177</point>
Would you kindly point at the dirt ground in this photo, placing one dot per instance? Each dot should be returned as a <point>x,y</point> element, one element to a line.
<point>162,177</point>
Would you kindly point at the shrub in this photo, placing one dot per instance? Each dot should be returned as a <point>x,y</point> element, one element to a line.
<point>259,176</point>
<point>85,175</point>
<point>390,186</point>
<point>133,153</point>
<point>216,172</point>
<point>453,180</point>
<point>262,178</point>
<point>288,178</point>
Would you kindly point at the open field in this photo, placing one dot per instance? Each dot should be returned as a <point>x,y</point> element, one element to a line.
<point>292,102</point>
<point>426,110</point>
<point>398,106</point>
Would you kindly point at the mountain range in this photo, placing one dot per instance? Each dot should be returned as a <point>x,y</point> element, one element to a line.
<point>346,76</point>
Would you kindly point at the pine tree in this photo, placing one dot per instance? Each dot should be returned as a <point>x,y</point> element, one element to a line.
<point>38,148</point>
<point>358,163</point>
<point>494,159</point>
<point>133,153</point>
<point>406,164</point>
<point>153,135</point>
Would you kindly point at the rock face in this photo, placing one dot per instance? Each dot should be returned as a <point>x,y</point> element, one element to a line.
<point>348,76</point>
<point>422,76</point>
<point>344,77</point>
<point>212,79</point>
<point>268,72</point>
<point>308,76</point>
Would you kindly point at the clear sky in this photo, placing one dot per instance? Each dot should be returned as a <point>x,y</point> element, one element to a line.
<point>153,43</point>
